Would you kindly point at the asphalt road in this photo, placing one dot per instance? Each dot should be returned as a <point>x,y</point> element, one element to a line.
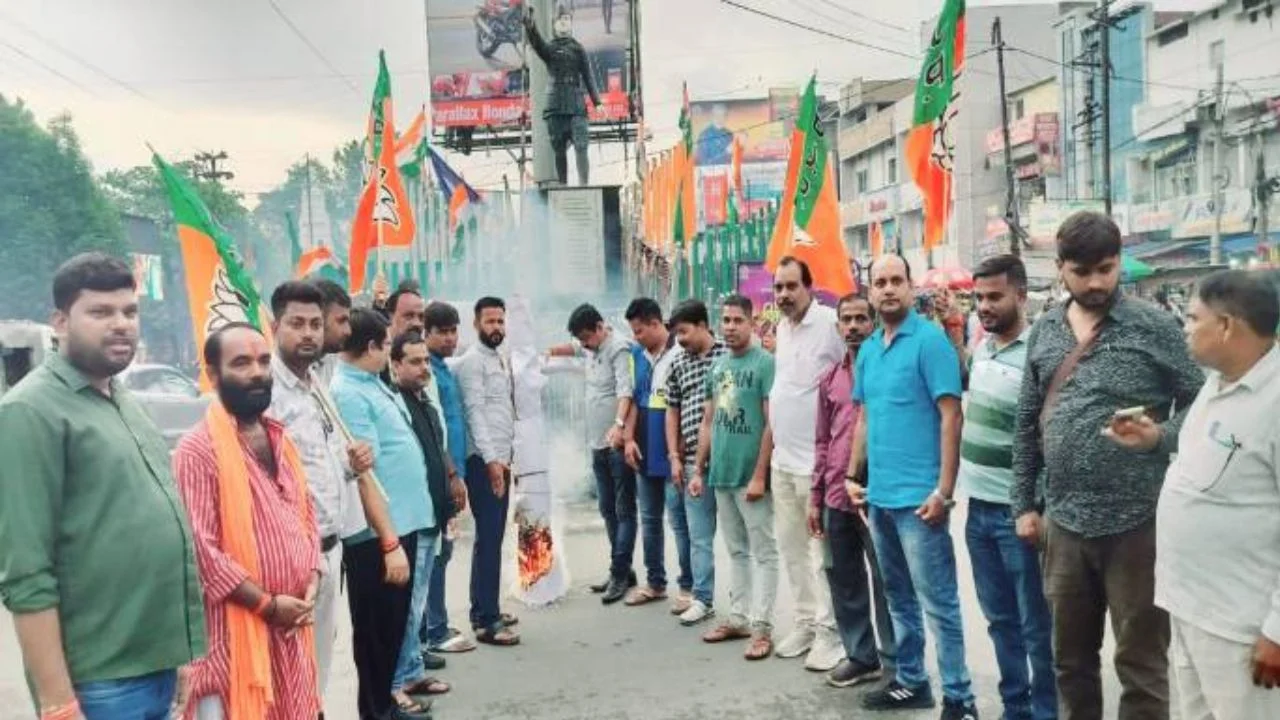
<point>581,661</point>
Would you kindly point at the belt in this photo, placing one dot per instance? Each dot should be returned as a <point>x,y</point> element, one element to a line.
<point>328,543</point>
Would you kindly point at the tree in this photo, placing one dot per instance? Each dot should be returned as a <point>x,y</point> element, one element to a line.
<point>50,208</point>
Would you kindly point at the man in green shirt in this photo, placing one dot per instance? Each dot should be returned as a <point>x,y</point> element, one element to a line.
<point>735,436</point>
<point>96,556</point>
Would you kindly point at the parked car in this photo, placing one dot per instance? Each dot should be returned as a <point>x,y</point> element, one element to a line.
<point>170,397</point>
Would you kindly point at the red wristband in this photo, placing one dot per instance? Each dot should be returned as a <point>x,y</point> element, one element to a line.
<point>263,602</point>
<point>70,711</point>
<point>388,549</point>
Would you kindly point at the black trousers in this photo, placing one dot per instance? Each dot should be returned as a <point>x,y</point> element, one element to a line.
<point>854,577</point>
<point>379,615</point>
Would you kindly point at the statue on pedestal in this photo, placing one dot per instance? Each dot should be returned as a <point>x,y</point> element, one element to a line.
<point>568,79</point>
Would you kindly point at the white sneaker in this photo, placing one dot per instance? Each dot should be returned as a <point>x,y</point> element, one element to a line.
<point>696,613</point>
<point>796,643</point>
<point>826,653</point>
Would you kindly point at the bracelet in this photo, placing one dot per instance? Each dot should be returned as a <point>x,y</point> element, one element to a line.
<point>263,602</point>
<point>388,549</point>
<point>62,712</point>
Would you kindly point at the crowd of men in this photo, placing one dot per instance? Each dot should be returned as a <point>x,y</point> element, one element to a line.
<point>1104,474</point>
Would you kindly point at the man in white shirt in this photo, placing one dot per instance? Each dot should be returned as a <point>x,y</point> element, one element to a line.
<point>808,345</point>
<point>1218,518</point>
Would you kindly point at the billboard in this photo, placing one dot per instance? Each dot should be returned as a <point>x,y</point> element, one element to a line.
<point>755,282</point>
<point>763,125</point>
<point>476,48</point>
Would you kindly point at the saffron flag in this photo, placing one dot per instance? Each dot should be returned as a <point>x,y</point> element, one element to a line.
<point>808,224</point>
<point>312,260</point>
<point>685,213</point>
<point>736,197</point>
<point>384,216</point>
<point>220,290</point>
<point>877,239</point>
<point>930,147</point>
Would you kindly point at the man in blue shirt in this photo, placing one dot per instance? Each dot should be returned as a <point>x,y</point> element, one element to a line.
<point>907,380</point>
<point>442,341</point>
<point>385,637</point>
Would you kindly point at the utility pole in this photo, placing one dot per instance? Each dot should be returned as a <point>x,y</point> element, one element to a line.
<point>1215,162</point>
<point>212,172</point>
<point>1262,188</point>
<point>1011,200</point>
<point>311,223</point>
<point>1104,37</point>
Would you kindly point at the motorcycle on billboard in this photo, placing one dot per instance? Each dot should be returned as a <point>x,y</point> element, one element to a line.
<point>498,22</point>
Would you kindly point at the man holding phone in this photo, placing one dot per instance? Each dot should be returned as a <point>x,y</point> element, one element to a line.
<point>1098,353</point>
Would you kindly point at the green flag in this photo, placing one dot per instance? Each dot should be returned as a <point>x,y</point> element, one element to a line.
<point>378,109</point>
<point>295,242</point>
<point>944,55</point>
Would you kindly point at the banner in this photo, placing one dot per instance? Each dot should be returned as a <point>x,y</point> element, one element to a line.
<point>755,282</point>
<point>476,49</point>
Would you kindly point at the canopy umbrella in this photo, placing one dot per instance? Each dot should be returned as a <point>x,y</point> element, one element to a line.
<point>1134,269</point>
<point>954,278</point>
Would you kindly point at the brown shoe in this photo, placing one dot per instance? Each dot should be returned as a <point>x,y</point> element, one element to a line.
<point>724,632</point>
<point>760,648</point>
<point>682,602</point>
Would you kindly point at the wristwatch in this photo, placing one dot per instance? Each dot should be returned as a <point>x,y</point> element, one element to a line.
<point>947,502</point>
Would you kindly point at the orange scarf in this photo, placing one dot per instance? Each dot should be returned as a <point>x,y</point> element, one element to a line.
<point>250,691</point>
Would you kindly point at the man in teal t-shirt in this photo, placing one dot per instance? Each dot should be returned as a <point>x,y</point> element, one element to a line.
<point>735,436</point>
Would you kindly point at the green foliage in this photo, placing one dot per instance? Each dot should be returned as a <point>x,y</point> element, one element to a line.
<point>50,208</point>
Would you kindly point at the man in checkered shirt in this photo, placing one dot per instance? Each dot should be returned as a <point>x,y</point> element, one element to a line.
<point>693,519</point>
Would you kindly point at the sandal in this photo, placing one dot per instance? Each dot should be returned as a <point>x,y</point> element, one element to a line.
<point>498,635</point>
<point>760,648</point>
<point>426,687</point>
<point>410,706</point>
<point>645,594</point>
<point>725,632</point>
<point>509,620</point>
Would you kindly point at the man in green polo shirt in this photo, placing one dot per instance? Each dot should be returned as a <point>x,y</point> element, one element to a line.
<point>96,557</point>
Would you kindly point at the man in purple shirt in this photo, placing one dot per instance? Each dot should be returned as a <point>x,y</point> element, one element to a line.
<point>833,518</point>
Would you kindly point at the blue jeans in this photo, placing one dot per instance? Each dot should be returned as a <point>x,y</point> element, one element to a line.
<point>142,698</point>
<point>409,668</point>
<point>1006,572</point>
<point>616,490</point>
<point>918,563</point>
<point>680,531</point>
<point>700,515</point>
<point>435,629</point>
<point>651,497</point>
<point>490,513</point>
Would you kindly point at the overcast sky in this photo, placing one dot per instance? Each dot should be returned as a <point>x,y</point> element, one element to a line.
<point>190,75</point>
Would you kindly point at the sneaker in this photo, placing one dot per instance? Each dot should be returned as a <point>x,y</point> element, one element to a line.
<point>896,696</point>
<point>955,710</point>
<point>796,644</point>
<point>849,673</point>
<point>826,653</point>
<point>697,612</point>
<point>681,602</point>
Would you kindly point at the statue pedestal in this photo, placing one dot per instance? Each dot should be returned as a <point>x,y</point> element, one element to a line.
<point>575,253</point>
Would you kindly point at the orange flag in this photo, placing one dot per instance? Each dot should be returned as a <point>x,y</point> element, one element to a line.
<point>877,240</point>
<point>384,216</point>
<point>808,224</point>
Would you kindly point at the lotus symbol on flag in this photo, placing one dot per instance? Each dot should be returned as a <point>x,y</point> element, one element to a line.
<point>226,306</point>
<point>944,142</point>
<point>387,210</point>
<point>800,238</point>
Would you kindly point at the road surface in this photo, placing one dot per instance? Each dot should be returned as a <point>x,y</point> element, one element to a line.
<point>581,661</point>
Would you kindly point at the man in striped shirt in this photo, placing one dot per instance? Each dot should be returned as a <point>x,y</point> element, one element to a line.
<point>1006,571</point>
<point>693,519</point>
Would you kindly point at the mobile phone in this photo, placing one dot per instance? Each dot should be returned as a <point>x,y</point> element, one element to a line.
<point>1132,413</point>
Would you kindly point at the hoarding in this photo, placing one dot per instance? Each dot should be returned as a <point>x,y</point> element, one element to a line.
<point>755,282</point>
<point>476,48</point>
<point>763,126</point>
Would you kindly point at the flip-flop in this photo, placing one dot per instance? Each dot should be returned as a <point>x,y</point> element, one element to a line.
<point>760,648</point>
<point>426,687</point>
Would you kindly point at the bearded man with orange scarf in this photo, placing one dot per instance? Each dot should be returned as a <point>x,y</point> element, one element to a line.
<point>256,544</point>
